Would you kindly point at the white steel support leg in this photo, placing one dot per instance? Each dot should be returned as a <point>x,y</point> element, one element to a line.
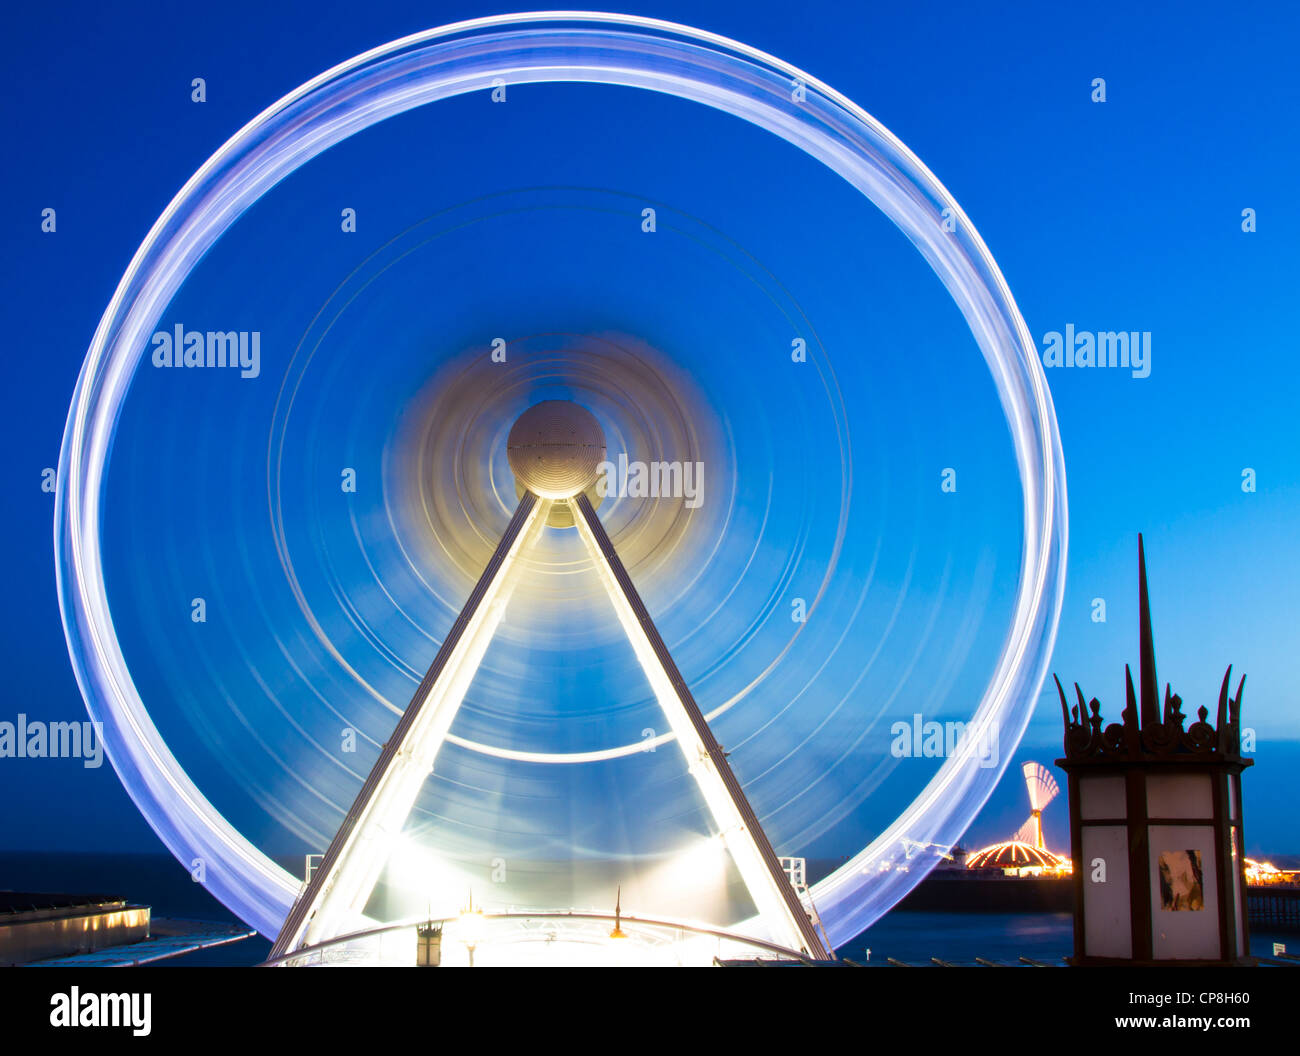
<point>773,894</point>
<point>335,898</point>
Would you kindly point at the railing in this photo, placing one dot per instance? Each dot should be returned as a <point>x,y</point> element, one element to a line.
<point>1275,906</point>
<point>386,944</point>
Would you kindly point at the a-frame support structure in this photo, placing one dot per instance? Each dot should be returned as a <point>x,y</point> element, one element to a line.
<point>334,900</point>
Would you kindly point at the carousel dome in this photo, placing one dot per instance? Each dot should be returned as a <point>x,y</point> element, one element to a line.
<point>1013,854</point>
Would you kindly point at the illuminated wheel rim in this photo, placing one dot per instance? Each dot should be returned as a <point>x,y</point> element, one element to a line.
<point>595,49</point>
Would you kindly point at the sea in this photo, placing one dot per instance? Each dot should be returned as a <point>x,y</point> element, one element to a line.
<point>160,882</point>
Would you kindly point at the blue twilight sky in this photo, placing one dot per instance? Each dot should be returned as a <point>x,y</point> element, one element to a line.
<point>1122,215</point>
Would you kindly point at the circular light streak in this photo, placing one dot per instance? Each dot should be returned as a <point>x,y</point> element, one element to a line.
<point>593,48</point>
<point>461,402</point>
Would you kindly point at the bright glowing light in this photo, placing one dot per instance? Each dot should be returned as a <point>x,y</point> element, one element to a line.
<point>426,881</point>
<point>697,872</point>
<point>1267,873</point>
<point>1015,858</point>
<point>485,939</point>
<point>470,927</point>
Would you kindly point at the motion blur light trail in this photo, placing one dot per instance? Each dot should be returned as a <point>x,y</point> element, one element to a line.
<point>821,477</point>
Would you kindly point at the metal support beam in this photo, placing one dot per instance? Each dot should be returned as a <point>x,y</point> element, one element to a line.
<point>335,898</point>
<point>773,894</point>
<point>333,901</point>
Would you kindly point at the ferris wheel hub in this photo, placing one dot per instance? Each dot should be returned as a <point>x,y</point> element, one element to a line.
<point>555,449</point>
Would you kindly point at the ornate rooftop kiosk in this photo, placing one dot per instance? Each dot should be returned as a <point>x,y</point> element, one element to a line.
<point>1156,824</point>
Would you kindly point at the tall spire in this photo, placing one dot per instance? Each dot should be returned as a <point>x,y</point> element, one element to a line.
<point>1145,733</point>
<point>1147,658</point>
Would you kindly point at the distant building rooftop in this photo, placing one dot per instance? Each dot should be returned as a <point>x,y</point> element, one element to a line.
<point>36,901</point>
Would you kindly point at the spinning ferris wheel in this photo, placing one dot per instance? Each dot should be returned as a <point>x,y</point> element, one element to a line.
<point>408,632</point>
